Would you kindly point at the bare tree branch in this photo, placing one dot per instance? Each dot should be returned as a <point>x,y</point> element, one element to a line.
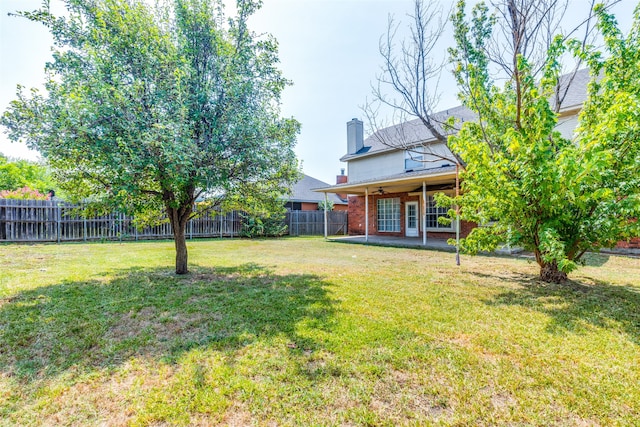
<point>408,84</point>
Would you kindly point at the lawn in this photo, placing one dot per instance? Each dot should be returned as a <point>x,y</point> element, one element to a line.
<point>301,331</point>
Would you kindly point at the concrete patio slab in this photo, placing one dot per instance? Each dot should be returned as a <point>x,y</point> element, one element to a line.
<point>399,242</point>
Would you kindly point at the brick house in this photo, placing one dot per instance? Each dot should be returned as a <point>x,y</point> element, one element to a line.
<point>303,198</point>
<point>393,174</point>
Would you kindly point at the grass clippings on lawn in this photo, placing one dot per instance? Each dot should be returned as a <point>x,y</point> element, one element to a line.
<point>306,332</point>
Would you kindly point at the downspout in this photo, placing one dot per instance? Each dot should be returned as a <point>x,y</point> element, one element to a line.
<point>366,215</point>
<point>326,202</point>
<point>424,213</point>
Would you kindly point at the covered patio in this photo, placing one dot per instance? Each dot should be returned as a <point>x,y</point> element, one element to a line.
<point>398,242</point>
<point>415,184</point>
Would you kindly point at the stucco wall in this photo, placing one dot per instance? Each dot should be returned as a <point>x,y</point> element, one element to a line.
<point>567,124</point>
<point>376,166</point>
<point>393,162</point>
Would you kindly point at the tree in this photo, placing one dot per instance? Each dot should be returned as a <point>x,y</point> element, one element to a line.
<point>328,203</point>
<point>16,174</point>
<point>556,197</point>
<point>151,108</point>
<point>408,82</point>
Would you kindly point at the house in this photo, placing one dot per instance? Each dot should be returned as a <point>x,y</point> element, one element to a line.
<point>303,198</point>
<point>394,173</point>
<point>391,189</point>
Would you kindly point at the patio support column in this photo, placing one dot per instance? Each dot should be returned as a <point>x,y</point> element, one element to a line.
<point>457,214</point>
<point>366,214</point>
<point>326,201</point>
<point>424,213</point>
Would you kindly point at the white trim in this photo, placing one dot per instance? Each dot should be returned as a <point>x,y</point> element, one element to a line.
<point>394,202</point>
<point>416,229</point>
<point>427,174</point>
<point>326,227</point>
<point>450,228</point>
<point>424,213</point>
<point>366,215</point>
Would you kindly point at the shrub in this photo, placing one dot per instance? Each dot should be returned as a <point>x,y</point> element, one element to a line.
<point>24,193</point>
<point>263,226</point>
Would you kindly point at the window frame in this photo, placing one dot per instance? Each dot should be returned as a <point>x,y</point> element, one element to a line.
<point>433,210</point>
<point>415,157</point>
<point>387,216</point>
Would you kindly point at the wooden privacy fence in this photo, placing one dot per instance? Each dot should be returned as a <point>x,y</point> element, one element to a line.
<point>311,223</point>
<point>53,221</point>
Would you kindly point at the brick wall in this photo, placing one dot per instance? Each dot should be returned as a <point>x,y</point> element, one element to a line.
<point>633,243</point>
<point>357,217</point>
<point>357,223</point>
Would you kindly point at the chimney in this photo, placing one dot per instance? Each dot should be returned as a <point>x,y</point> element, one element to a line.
<point>341,179</point>
<point>355,136</point>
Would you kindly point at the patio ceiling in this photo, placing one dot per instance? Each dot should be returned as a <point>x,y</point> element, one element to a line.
<point>407,182</point>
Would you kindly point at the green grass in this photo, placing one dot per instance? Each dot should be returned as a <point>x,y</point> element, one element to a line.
<point>306,332</point>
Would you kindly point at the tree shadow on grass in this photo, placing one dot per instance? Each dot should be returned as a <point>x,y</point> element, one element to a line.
<point>573,305</point>
<point>96,324</point>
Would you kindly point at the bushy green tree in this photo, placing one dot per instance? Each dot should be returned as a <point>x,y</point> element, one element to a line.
<point>150,108</point>
<point>15,174</point>
<point>526,185</point>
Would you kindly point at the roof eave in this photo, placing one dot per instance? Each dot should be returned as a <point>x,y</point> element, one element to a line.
<point>360,187</point>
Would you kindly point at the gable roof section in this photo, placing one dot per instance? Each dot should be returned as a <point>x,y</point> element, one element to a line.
<point>302,192</point>
<point>414,132</point>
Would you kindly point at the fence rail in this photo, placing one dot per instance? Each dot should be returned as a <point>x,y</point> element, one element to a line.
<point>53,221</point>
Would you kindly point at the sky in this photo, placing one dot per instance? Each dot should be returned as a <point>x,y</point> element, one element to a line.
<point>328,48</point>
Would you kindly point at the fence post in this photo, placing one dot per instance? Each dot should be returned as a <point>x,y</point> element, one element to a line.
<point>58,219</point>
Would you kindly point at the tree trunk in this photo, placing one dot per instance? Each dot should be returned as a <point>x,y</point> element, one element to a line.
<point>179,218</point>
<point>181,250</point>
<point>549,273</point>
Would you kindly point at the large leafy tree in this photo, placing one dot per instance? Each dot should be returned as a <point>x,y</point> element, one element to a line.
<point>19,173</point>
<point>151,108</point>
<point>524,183</point>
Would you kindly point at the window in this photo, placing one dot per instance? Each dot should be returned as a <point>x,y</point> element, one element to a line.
<point>433,213</point>
<point>293,206</point>
<point>413,160</point>
<point>389,215</point>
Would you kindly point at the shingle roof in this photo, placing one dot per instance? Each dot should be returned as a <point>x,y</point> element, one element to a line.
<point>411,132</point>
<point>577,93</point>
<point>302,191</point>
<point>415,132</point>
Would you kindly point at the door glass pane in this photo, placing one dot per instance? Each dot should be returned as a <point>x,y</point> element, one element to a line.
<point>411,216</point>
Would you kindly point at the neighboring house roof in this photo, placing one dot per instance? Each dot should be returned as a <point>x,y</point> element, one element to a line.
<point>414,132</point>
<point>302,192</point>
